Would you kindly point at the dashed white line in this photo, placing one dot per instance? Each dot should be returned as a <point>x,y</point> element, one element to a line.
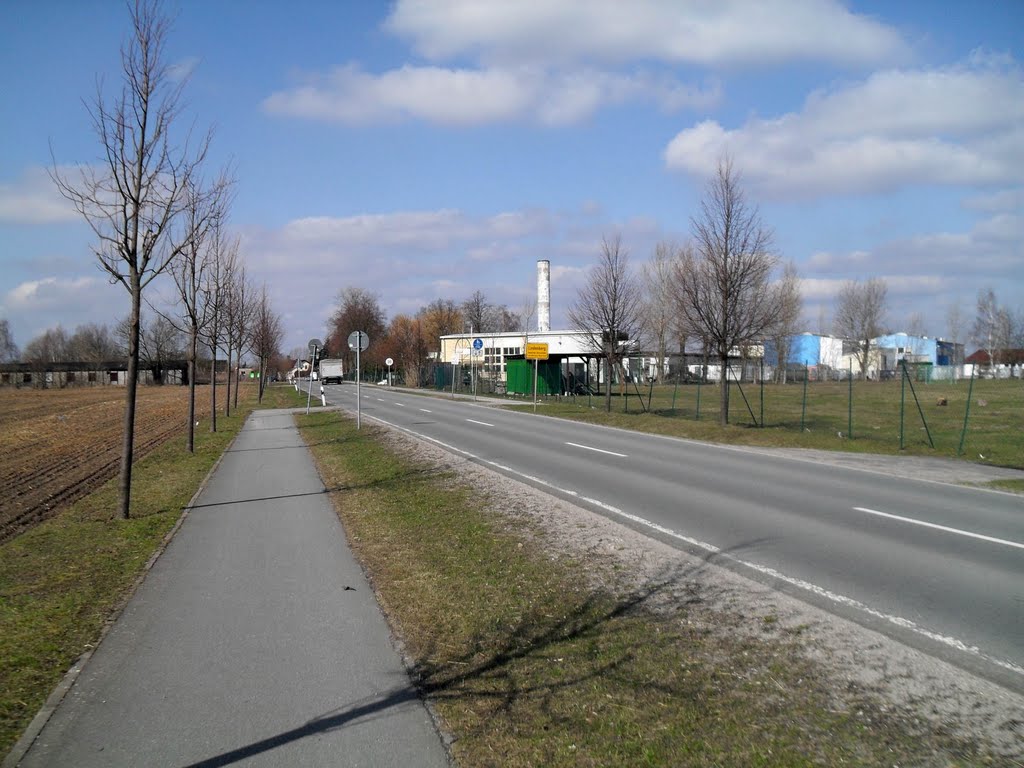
<point>425,410</point>
<point>598,450</point>
<point>481,423</point>
<point>400,405</point>
<point>834,597</point>
<point>937,527</point>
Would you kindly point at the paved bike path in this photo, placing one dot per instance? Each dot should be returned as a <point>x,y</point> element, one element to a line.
<point>254,640</point>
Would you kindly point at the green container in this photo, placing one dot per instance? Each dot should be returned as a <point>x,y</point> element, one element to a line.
<point>519,375</point>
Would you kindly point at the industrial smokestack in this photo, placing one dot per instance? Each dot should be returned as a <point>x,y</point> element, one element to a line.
<point>543,295</point>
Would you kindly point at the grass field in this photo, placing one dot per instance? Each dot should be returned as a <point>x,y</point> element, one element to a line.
<point>529,666</point>
<point>61,580</point>
<point>994,434</point>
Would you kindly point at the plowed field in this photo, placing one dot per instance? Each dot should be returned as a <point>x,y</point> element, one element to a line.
<point>57,445</point>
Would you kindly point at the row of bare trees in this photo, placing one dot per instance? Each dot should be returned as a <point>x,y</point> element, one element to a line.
<point>724,288</point>
<point>152,211</point>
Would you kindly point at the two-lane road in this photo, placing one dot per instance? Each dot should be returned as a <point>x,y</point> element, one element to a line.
<point>938,566</point>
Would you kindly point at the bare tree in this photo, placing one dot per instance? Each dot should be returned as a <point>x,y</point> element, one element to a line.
<point>51,346</point>
<point>133,200</point>
<point>477,312</point>
<point>239,313</point>
<point>216,288</point>
<point>860,314</point>
<point>725,291</point>
<point>955,321</point>
<point>659,315</point>
<point>8,349</point>
<point>160,342</point>
<point>267,333</point>
<point>204,206</point>
<point>992,326</point>
<point>609,308</point>
<point>92,343</point>
<point>785,327</point>
<point>358,310</point>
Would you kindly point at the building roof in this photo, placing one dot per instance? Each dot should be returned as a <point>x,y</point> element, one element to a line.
<point>1005,356</point>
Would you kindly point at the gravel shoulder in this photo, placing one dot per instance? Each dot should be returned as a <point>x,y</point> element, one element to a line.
<point>863,664</point>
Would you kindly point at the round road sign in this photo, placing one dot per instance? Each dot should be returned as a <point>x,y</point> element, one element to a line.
<point>358,340</point>
<point>478,343</point>
<point>389,362</point>
<point>315,344</point>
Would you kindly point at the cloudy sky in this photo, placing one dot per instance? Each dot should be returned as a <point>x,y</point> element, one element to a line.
<point>426,150</point>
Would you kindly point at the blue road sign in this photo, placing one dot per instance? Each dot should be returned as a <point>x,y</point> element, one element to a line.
<point>478,343</point>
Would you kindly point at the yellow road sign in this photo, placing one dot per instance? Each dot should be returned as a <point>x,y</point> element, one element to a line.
<point>536,351</point>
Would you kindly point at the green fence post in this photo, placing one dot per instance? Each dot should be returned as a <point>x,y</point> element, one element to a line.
<point>674,390</point>
<point>903,388</point>
<point>849,416</point>
<point>967,413</point>
<point>698,397</point>
<point>803,407</point>
<point>762,390</point>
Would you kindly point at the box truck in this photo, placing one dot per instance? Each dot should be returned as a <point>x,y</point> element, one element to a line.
<point>331,371</point>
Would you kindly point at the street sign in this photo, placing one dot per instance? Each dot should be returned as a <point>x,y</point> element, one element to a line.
<point>315,344</point>
<point>358,340</point>
<point>536,351</point>
<point>389,362</point>
<point>478,343</point>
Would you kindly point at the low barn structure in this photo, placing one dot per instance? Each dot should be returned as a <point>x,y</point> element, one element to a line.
<point>86,374</point>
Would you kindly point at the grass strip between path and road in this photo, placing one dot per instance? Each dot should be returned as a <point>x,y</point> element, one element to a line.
<point>529,665</point>
<point>61,581</point>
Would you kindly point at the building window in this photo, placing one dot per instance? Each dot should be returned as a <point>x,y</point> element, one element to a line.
<point>92,376</point>
<point>26,378</point>
<point>113,377</point>
<point>71,377</point>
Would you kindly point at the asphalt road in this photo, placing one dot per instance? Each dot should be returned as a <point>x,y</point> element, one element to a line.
<point>937,566</point>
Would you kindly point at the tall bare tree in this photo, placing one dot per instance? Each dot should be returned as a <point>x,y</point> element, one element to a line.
<point>358,310</point>
<point>132,201</point>
<point>725,290</point>
<point>659,315</point>
<point>216,287</point>
<point>8,349</point>
<point>51,346</point>
<point>993,326</point>
<point>239,314</point>
<point>91,343</point>
<point>860,315</point>
<point>476,311</point>
<point>609,308</point>
<point>785,327</point>
<point>267,333</point>
<point>204,207</point>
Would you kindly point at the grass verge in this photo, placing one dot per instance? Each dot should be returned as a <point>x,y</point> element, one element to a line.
<point>60,581</point>
<point>995,421</point>
<point>529,666</point>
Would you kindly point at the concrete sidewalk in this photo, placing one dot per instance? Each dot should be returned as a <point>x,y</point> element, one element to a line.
<point>255,639</point>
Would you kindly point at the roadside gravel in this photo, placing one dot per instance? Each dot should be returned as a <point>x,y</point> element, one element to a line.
<point>861,663</point>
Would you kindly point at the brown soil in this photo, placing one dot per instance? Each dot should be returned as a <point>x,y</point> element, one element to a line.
<point>57,445</point>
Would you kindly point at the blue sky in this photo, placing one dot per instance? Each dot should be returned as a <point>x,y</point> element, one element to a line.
<point>426,150</point>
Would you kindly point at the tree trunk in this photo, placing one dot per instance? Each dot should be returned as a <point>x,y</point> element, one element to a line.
<point>227,397</point>
<point>213,388</point>
<point>131,389</point>
<point>190,434</point>
<point>723,416</point>
<point>608,383</point>
<point>238,367</point>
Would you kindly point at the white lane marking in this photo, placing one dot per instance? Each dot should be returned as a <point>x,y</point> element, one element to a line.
<point>425,410</point>
<point>834,597</point>
<point>380,399</point>
<point>400,405</point>
<point>937,527</point>
<point>598,450</point>
<point>482,423</point>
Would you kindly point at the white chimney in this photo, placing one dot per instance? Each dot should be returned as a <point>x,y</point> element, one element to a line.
<point>543,295</point>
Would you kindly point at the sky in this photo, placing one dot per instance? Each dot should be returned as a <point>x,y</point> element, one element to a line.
<point>423,150</point>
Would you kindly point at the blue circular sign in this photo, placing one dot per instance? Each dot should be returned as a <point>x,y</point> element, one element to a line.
<point>478,343</point>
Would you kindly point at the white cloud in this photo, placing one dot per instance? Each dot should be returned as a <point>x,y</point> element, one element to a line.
<point>708,33</point>
<point>961,125</point>
<point>33,199</point>
<point>467,96</point>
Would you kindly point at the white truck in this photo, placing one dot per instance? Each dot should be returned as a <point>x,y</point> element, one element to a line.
<point>331,371</point>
